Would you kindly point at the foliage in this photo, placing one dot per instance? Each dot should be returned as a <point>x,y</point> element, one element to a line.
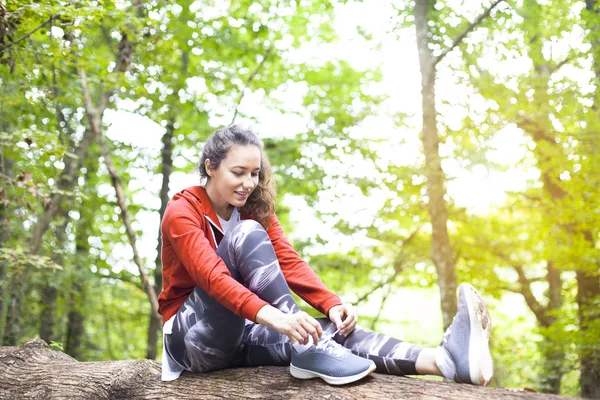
<point>192,66</point>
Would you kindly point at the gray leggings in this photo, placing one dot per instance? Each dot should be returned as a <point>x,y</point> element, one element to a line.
<point>206,336</point>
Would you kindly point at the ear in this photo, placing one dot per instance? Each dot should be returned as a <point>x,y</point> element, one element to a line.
<point>208,167</point>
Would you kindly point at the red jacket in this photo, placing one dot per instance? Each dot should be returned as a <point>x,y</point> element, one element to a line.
<point>190,234</point>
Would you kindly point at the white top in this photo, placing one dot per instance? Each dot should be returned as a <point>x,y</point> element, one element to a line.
<point>226,225</point>
<point>170,369</point>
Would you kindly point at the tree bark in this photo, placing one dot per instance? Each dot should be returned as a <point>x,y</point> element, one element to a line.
<point>32,371</point>
<point>441,249</point>
<point>76,301</point>
<point>588,280</point>
<point>5,167</point>
<point>75,320</point>
<point>589,354</point>
<point>49,297</point>
<point>154,327</point>
<point>553,352</point>
<point>49,291</point>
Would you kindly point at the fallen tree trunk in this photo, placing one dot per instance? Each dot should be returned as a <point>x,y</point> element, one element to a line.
<point>34,371</point>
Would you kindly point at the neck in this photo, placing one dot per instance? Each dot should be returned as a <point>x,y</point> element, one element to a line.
<point>223,210</point>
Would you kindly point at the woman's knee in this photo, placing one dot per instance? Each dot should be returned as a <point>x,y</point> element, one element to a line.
<point>211,343</point>
<point>249,239</point>
<point>244,235</point>
<point>249,232</point>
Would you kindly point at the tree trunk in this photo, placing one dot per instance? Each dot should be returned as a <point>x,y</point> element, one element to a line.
<point>441,250</point>
<point>553,352</point>
<point>83,227</point>
<point>587,289</point>
<point>547,153</point>
<point>47,316</point>
<point>75,332</point>
<point>5,167</point>
<point>154,327</point>
<point>32,371</point>
<point>76,302</point>
<point>49,291</point>
<point>588,280</point>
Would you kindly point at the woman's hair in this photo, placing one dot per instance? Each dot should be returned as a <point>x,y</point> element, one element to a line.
<point>261,203</point>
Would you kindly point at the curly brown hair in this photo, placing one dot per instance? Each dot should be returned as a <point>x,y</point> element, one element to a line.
<point>261,203</point>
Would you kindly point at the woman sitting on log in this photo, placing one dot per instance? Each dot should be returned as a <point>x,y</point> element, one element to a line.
<point>227,273</point>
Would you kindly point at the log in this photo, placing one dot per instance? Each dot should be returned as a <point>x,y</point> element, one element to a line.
<point>34,371</point>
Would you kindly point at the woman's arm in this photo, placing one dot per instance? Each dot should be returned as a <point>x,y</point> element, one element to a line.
<point>298,274</point>
<point>181,228</point>
<point>183,231</point>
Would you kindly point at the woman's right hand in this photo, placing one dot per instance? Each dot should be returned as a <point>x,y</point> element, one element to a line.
<point>298,327</point>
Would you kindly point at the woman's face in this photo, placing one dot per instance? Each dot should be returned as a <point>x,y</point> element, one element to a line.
<point>235,179</point>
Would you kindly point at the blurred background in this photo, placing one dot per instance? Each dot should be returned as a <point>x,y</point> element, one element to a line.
<point>416,145</point>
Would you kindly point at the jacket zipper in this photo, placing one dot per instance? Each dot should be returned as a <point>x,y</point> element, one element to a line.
<point>211,231</point>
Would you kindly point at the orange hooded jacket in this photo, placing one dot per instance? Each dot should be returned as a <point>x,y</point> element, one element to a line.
<point>190,234</point>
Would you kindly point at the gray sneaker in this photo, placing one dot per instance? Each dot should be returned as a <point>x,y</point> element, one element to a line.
<point>331,362</point>
<point>464,354</point>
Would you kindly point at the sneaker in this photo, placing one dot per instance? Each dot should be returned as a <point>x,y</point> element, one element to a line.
<point>464,354</point>
<point>331,362</point>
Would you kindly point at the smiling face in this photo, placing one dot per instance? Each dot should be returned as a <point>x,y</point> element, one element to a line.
<point>233,181</point>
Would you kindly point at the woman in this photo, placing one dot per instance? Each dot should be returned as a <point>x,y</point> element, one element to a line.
<point>227,274</point>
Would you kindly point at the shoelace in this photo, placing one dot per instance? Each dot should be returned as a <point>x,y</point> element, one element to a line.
<point>328,345</point>
<point>446,334</point>
<point>448,331</point>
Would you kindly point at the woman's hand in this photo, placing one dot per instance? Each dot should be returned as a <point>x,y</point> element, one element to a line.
<point>344,316</point>
<point>298,327</point>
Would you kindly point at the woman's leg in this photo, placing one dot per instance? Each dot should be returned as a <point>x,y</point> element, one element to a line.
<point>255,259</point>
<point>391,355</point>
<point>265,346</point>
<point>207,336</point>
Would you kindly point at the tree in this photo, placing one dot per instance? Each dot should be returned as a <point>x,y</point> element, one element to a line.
<point>33,369</point>
<point>441,249</point>
<point>546,103</point>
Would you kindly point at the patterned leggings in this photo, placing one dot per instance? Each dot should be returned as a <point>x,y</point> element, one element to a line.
<point>207,336</point>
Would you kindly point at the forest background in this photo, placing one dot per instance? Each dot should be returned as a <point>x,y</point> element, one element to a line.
<point>416,145</point>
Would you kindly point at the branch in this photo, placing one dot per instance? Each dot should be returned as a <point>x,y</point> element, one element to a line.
<point>6,46</point>
<point>560,64</point>
<point>573,56</point>
<point>148,288</point>
<point>410,238</point>
<point>464,34</point>
<point>532,302</point>
<point>386,295</point>
<point>249,81</point>
<point>91,113</point>
<point>376,288</point>
<point>532,127</point>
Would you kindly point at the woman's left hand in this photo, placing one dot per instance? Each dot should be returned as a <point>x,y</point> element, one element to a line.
<point>344,316</point>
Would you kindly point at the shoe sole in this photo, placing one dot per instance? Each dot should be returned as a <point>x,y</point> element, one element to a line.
<point>332,380</point>
<point>481,365</point>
